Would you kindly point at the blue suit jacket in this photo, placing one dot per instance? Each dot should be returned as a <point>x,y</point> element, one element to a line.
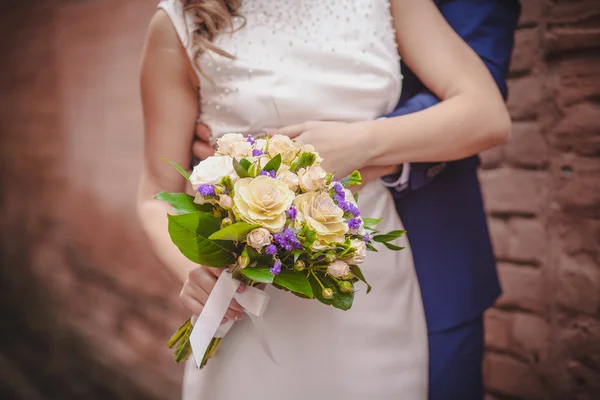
<point>442,208</point>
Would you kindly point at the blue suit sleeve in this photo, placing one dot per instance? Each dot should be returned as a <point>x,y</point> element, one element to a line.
<point>487,27</point>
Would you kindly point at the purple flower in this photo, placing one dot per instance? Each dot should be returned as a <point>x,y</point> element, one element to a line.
<point>354,223</point>
<point>278,237</point>
<point>250,140</point>
<point>270,174</point>
<point>292,212</point>
<point>339,189</point>
<point>353,210</point>
<point>288,246</point>
<point>271,249</point>
<point>257,152</point>
<point>206,190</point>
<point>288,234</point>
<point>276,268</point>
<point>366,238</point>
<point>338,198</point>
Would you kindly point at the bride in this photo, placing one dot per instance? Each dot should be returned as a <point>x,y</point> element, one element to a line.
<point>252,66</point>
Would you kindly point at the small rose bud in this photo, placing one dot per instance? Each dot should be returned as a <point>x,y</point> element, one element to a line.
<point>338,269</point>
<point>348,277</point>
<point>346,287</point>
<point>327,293</point>
<point>259,238</point>
<point>299,265</point>
<point>243,261</point>
<point>225,201</point>
<point>226,222</point>
<point>217,213</point>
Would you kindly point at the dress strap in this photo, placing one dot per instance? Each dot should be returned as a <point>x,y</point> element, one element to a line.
<point>181,22</point>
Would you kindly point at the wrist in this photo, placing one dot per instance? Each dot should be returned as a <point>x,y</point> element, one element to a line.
<point>370,145</point>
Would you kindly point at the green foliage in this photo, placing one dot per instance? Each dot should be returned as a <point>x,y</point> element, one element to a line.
<point>235,232</point>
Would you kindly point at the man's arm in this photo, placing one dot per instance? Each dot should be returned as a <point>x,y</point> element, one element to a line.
<point>488,27</point>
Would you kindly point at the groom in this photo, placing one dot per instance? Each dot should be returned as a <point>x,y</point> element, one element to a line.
<point>441,207</point>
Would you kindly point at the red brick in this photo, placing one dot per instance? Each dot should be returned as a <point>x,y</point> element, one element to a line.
<point>498,329</point>
<point>528,241</point>
<point>506,375</point>
<point>530,336</point>
<point>527,147</point>
<point>579,78</point>
<point>578,129</point>
<point>500,235</point>
<point>531,12</point>
<point>524,96</point>
<point>515,191</point>
<point>576,235</point>
<point>579,278</point>
<point>578,192</point>
<point>569,39</point>
<point>572,12</point>
<point>521,288</point>
<point>493,157</point>
<point>527,50</point>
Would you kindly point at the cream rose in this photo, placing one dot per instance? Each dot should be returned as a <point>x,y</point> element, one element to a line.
<point>260,144</point>
<point>283,145</point>
<point>212,170</point>
<point>338,269</point>
<point>262,200</point>
<point>259,238</point>
<point>361,252</point>
<point>241,150</point>
<point>320,213</point>
<point>312,178</point>
<point>225,143</point>
<point>289,178</point>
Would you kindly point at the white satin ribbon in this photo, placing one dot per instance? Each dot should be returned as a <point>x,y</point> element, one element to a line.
<point>208,324</point>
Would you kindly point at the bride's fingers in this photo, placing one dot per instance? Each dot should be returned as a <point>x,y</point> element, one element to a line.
<point>203,132</point>
<point>202,150</point>
<point>194,297</point>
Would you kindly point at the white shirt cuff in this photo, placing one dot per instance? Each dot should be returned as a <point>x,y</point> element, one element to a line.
<point>402,180</point>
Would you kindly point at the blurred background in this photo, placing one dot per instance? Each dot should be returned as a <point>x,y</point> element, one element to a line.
<point>86,308</point>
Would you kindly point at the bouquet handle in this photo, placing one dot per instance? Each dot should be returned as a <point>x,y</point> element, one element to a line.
<point>208,325</point>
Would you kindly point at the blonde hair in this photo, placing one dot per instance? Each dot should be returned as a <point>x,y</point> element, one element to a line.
<point>213,17</point>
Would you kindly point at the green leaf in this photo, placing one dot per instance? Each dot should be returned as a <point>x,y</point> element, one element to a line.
<point>273,164</point>
<point>245,163</point>
<point>235,232</point>
<point>239,169</point>
<point>388,237</point>
<point>358,273</point>
<point>294,281</point>
<point>260,274</point>
<point>190,234</point>
<point>178,167</point>
<point>370,247</point>
<point>393,246</point>
<point>356,197</point>
<point>353,179</point>
<point>371,223</point>
<point>182,203</point>
<point>305,160</point>
<point>297,254</point>
<point>227,183</point>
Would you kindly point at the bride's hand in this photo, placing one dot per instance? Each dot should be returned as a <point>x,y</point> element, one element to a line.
<point>197,287</point>
<point>342,145</point>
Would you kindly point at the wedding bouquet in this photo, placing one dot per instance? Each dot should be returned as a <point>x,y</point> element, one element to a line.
<point>265,210</point>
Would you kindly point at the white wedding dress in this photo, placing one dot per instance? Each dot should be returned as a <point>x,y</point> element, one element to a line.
<point>296,61</point>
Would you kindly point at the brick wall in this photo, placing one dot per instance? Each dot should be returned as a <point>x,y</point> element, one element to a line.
<point>76,266</point>
<point>542,194</point>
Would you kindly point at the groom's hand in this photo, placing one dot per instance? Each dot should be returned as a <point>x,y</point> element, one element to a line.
<point>201,147</point>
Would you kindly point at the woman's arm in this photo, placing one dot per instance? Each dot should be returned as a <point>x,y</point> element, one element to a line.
<point>472,116</point>
<point>170,106</point>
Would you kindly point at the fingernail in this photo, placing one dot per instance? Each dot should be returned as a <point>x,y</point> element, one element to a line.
<point>241,288</point>
<point>224,321</point>
<point>269,131</point>
<point>238,317</point>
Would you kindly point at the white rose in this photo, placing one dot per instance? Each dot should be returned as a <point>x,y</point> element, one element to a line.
<point>283,145</point>
<point>290,178</point>
<point>260,144</point>
<point>226,142</point>
<point>225,201</point>
<point>338,269</point>
<point>311,178</point>
<point>241,150</point>
<point>212,170</point>
<point>361,252</point>
<point>259,238</point>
